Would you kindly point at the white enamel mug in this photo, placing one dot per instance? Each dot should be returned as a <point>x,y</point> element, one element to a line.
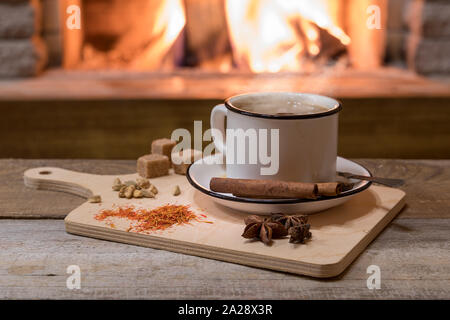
<point>306,144</point>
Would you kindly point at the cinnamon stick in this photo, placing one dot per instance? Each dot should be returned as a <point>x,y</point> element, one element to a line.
<point>329,188</point>
<point>264,188</point>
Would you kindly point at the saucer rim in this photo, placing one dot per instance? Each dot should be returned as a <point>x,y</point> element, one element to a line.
<point>276,201</point>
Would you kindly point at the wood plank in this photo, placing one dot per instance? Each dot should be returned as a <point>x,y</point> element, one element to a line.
<point>413,256</point>
<point>188,84</point>
<point>396,32</point>
<point>52,31</point>
<point>368,45</point>
<point>427,186</point>
<point>72,39</point>
<point>414,128</point>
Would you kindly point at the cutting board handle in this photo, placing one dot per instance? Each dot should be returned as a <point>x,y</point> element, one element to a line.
<point>57,179</point>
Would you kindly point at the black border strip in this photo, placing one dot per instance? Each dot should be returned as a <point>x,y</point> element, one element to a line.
<point>222,309</point>
<point>231,107</point>
<point>274,201</point>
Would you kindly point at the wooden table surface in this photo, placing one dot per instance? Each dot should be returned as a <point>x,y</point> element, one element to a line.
<point>413,253</point>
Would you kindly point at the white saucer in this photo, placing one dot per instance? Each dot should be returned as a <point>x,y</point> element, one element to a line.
<point>200,173</point>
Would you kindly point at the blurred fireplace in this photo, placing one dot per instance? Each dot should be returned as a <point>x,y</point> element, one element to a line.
<point>225,35</point>
<point>222,39</point>
<point>256,35</point>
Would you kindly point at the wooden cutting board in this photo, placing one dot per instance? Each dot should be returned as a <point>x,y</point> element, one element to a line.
<point>340,234</point>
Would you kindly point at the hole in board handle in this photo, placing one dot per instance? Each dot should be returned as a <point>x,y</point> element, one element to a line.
<point>45,172</point>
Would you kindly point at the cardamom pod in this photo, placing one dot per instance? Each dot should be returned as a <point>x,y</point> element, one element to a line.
<point>129,191</point>
<point>176,190</point>
<point>153,189</point>
<point>143,183</point>
<point>95,199</point>
<point>138,194</point>
<point>122,191</point>
<point>147,193</point>
<point>117,187</point>
<point>117,184</point>
<point>130,183</point>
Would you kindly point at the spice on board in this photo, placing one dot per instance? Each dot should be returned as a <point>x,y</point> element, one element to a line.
<point>144,220</point>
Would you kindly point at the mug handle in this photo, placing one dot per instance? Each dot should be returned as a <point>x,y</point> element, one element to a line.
<point>218,115</point>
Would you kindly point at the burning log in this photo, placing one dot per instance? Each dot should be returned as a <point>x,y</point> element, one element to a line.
<point>72,39</point>
<point>270,36</point>
<point>207,39</point>
<point>368,44</point>
<point>152,41</point>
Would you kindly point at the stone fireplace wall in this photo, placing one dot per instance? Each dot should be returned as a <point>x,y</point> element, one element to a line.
<point>22,50</point>
<point>428,42</point>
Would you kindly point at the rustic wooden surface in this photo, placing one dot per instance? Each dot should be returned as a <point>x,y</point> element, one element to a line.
<point>413,252</point>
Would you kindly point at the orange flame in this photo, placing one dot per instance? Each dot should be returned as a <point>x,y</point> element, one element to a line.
<point>169,23</point>
<point>276,35</point>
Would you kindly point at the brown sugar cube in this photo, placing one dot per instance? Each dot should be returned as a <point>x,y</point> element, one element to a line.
<point>153,165</point>
<point>163,146</point>
<point>182,160</point>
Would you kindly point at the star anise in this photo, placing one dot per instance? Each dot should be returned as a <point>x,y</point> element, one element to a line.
<point>296,225</point>
<point>289,221</point>
<point>263,228</point>
<point>299,233</point>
